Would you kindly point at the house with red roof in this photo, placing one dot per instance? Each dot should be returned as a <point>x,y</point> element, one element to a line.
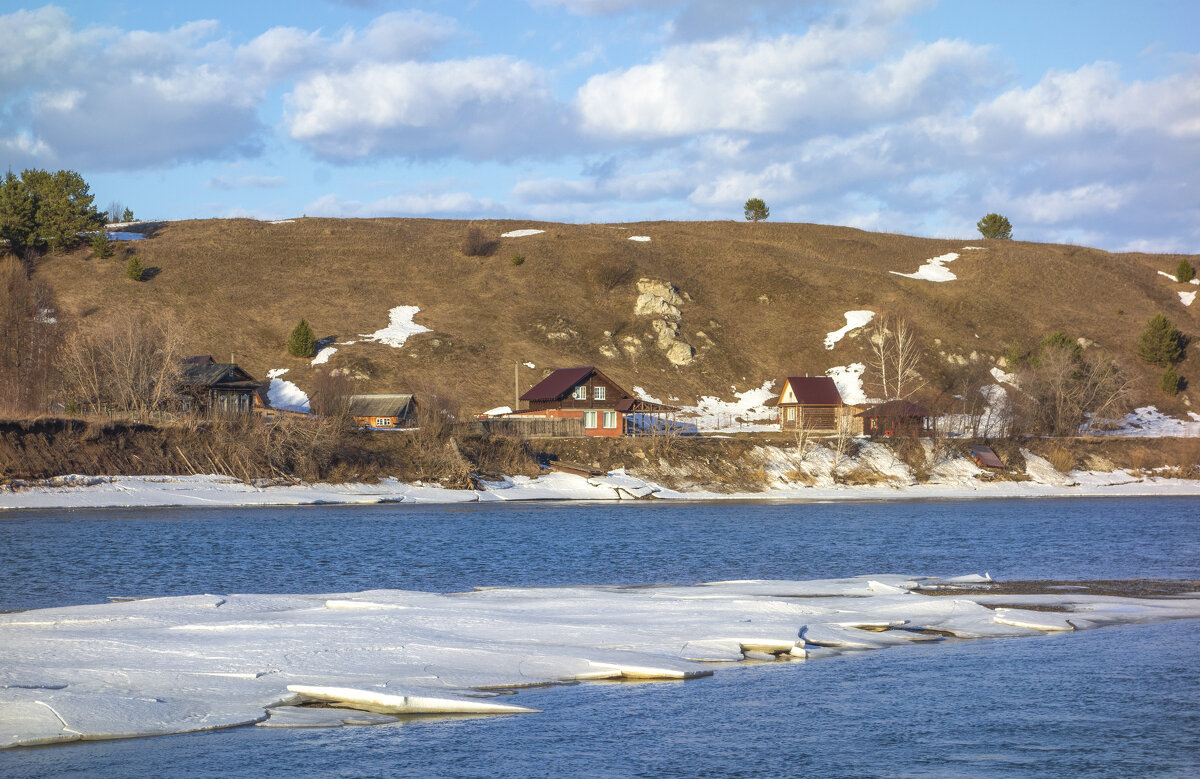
<point>810,403</point>
<point>606,408</point>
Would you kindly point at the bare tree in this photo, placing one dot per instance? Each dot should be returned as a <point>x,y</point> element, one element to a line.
<point>896,356</point>
<point>30,336</point>
<point>1061,392</point>
<point>130,365</point>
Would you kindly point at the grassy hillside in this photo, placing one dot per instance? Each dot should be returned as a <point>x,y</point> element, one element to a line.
<point>762,297</point>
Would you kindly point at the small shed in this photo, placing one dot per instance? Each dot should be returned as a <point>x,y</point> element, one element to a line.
<point>809,403</point>
<point>897,418</point>
<point>984,457</point>
<point>383,411</point>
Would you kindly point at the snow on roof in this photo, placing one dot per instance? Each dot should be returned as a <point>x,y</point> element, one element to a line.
<point>854,320</point>
<point>933,269</point>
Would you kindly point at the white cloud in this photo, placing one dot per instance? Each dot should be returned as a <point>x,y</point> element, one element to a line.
<point>445,204</point>
<point>246,182</point>
<point>475,108</point>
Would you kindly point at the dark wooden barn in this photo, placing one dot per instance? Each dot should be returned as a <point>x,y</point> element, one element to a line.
<point>210,387</point>
<point>383,411</point>
<point>897,418</point>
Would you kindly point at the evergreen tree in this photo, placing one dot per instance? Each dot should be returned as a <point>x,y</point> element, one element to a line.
<point>63,207</point>
<point>127,216</point>
<point>1060,340</point>
<point>133,268</point>
<point>302,342</point>
<point>1184,272</point>
<point>995,226</point>
<point>1170,381</point>
<point>1160,344</point>
<point>756,210</point>
<point>101,246</point>
<point>17,224</point>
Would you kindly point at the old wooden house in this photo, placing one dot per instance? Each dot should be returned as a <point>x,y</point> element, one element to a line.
<point>896,419</point>
<point>210,387</point>
<point>586,393</point>
<point>381,412</point>
<point>810,403</point>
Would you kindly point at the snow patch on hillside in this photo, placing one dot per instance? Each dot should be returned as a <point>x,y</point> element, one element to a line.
<point>521,233</point>
<point>640,238</point>
<point>848,379</point>
<point>933,269</point>
<point>745,414</point>
<point>400,327</point>
<point>854,320</point>
<point>324,355</point>
<point>285,395</point>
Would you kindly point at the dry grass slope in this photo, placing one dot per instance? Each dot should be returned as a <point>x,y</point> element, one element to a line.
<point>764,296</point>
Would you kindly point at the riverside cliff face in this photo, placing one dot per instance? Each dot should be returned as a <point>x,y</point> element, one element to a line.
<point>48,448</point>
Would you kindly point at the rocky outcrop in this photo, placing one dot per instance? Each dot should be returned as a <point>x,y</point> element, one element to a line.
<point>662,301</point>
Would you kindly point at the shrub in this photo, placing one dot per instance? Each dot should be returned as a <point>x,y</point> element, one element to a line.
<point>1060,340</point>
<point>476,244</point>
<point>1171,381</point>
<point>756,210</point>
<point>610,272</point>
<point>995,226</point>
<point>302,342</point>
<point>1160,343</point>
<point>517,259</point>
<point>1184,272</point>
<point>101,246</point>
<point>133,268</point>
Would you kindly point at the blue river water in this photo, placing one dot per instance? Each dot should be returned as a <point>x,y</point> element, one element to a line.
<point>1113,702</point>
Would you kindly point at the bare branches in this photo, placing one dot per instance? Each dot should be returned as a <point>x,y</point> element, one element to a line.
<point>895,357</point>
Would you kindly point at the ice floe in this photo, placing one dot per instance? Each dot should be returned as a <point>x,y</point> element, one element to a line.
<point>933,269</point>
<point>521,233</point>
<point>854,320</point>
<point>202,662</point>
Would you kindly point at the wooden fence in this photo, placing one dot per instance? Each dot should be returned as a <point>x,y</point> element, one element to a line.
<point>529,428</point>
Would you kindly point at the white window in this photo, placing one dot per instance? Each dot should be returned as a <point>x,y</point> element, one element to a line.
<point>791,414</point>
<point>383,422</point>
<point>589,419</point>
<point>610,419</point>
<point>581,392</point>
<point>598,393</point>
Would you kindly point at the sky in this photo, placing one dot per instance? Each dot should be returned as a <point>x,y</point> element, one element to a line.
<point>1079,120</point>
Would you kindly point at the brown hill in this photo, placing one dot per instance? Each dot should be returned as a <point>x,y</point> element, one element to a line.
<point>759,301</point>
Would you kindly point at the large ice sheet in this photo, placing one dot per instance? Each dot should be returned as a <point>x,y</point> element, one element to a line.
<point>173,665</point>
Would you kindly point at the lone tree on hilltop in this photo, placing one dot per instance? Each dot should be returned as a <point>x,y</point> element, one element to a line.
<point>1184,272</point>
<point>302,342</point>
<point>995,226</point>
<point>756,210</point>
<point>1160,343</point>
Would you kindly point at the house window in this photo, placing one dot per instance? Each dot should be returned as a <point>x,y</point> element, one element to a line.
<point>791,415</point>
<point>589,419</point>
<point>610,419</point>
<point>383,422</point>
<point>581,392</point>
<point>598,393</point>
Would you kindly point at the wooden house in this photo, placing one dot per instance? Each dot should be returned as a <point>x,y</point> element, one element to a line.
<point>210,387</point>
<point>897,418</point>
<point>586,393</point>
<point>810,403</point>
<point>383,411</point>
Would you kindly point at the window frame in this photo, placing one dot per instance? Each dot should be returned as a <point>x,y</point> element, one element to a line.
<point>581,392</point>
<point>590,420</point>
<point>383,421</point>
<point>598,392</point>
<point>610,415</point>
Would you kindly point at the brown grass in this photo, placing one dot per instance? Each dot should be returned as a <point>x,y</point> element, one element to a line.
<point>246,283</point>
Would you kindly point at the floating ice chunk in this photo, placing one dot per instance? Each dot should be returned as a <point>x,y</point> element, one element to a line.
<point>520,233</point>
<point>640,238</point>
<point>933,269</point>
<point>971,578</point>
<point>854,320</point>
<point>1035,620</point>
<point>386,703</point>
<point>305,717</point>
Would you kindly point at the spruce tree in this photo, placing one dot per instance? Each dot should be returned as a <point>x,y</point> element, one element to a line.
<point>17,225</point>
<point>133,268</point>
<point>1170,381</point>
<point>101,246</point>
<point>1160,343</point>
<point>1184,272</point>
<point>302,342</point>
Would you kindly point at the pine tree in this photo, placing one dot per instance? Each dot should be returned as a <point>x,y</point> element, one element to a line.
<point>1184,272</point>
<point>62,207</point>
<point>995,226</point>
<point>1170,381</point>
<point>1160,343</point>
<point>133,268</point>
<point>17,224</point>
<point>756,210</point>
<point>302,342</point>
<point>101,246</point>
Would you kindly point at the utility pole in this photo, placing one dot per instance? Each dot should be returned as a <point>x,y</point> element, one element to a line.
<point>516,385</point>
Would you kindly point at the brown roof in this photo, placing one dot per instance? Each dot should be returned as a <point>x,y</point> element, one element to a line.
<point>559,384</point>
<point>815,391</point>
<point>217,374</point>
<point>380,405</point>
<point>896,409</point>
